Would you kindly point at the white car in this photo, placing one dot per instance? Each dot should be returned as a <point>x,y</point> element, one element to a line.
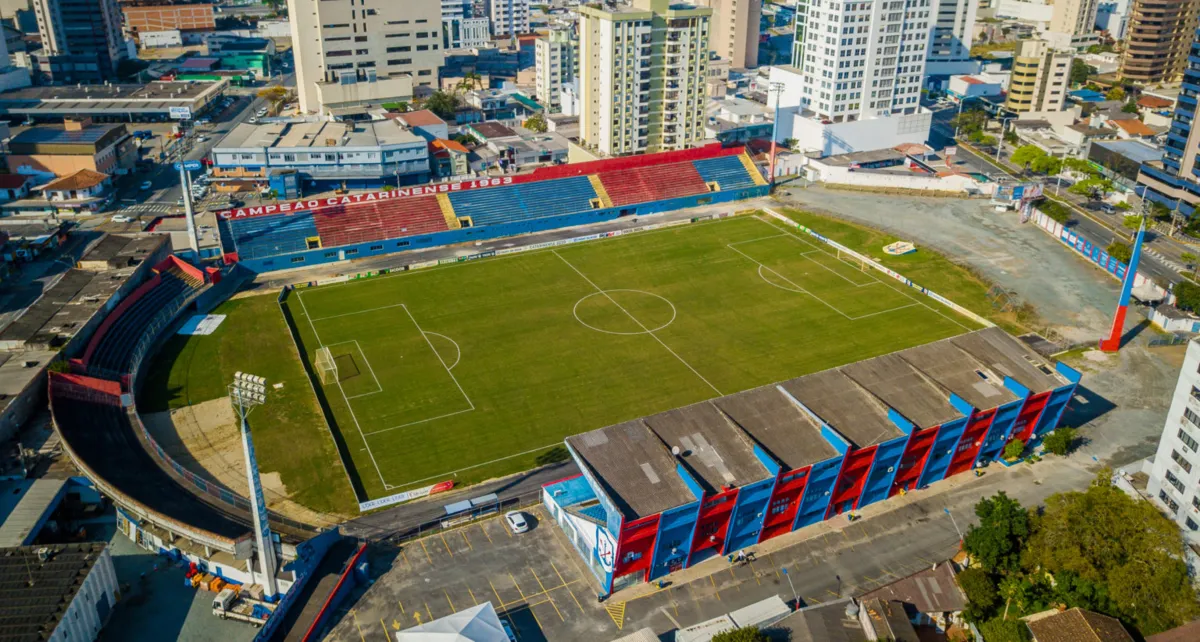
<point>516,521</point>
<point>253,120</point>
<point>201,138</point>
<point>147,186</point>
<point>121,218</point>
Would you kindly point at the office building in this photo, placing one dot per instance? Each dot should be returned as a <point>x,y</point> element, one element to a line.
<point>645,86</point>
<point>953,31</point>
<point>167,17</point>
<point>1159,36</point>
<point>1172,181</point>
<point>82,41</point>
<point>460,29</point>
<point>735,25</point>
<point>1041,76</point>
<point>354,55</point>
<point>1072,24</point>
<point>555,60</point>
<point>1175,474</point>
<point>509,17</point>
<point>1113,17</point>
<point>11,76</point>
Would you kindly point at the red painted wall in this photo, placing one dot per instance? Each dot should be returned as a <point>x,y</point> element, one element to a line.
<point>970,442</point>
<point>851,481</point>
<point>920,444</point>
<point>781,510</point>
<point>713,522</point>
<point>1030,413</point>
<point>635,547</point>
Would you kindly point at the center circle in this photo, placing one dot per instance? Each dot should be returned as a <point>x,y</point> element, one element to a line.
<point>624,312</point>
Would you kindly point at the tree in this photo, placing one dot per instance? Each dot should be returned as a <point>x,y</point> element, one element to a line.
<point>1187,296</point>
<point>1190,260</point>
<point>1079,165</point>
<point>745,634</point>
<point>1131,107</point>
<point>970,121</point>
<point>1013,449</point>
<point>1047,164</point>
<point>791,143</point>
<point>1001,630</point>
<point>1116,93</point>
<point>1095,188</point>
<point>1025,155</point>
<point>1104,536</point>
<point>1132,221</point>
<point>1003,528</point>
<point>1059,441</point>
<point>274,93</point>
<point>536,123</point>
<point>977,584</point>
<point>1080,71</point>
<point>442,103</point>
<point>1010,137</point>
<point>1119,251</point>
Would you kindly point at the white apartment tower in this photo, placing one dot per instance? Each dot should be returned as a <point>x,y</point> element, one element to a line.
<point>1175,474</point>
<point>358,53</point>
<point>861,59</point>
<point>642,80</point>
<point>1072,23</point>
<point>735,25</point>
<point>555,64</point>
<point>509,17</point>
<point>460,29</point>
<point>954,31</point>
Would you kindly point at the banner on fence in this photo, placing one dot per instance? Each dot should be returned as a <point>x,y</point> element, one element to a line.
<point>879,267</point>
<point>336,279</point>
<point>1091,251</point>
<point>407,495</point>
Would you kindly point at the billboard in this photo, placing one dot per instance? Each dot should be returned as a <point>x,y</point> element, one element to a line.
<point>179,113</point>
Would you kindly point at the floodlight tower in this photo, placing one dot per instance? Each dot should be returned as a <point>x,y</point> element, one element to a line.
<point>246,392</point>
<point>777,89</point>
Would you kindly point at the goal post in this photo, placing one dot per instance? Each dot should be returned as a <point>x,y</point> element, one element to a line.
<point>326,367</point>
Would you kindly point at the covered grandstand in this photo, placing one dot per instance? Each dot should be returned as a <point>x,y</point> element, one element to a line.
<point>665,492</point>
<point>316,231</point>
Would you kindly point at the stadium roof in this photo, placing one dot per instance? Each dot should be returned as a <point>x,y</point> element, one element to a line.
<point>899,385</point>
<point>777,424</point>
<point>635,468</point>
<point>845,406</point>
<point>716,453</point>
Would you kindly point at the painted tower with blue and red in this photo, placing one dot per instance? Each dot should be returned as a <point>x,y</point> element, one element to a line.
<point>1113,342</point>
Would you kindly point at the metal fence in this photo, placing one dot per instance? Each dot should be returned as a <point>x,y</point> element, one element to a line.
<point>433,523</point>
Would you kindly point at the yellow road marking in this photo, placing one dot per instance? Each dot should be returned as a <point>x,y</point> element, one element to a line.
<point>564,583</point>
<point>406,562</point>
<point>548,597</point>
<point>813,600</point>
<point>427,556</point>
<point>773,565</point>
<point>446,544</point>
<point>464,534</point>
<point>714,583</point>
<point>473,599</point>
<point>617,613</point>
<point>497,594</point>
<point>386,635</point>
<point>485,533</point>
<point>756,580</point>
<point>448,601</point>
<point>428,611</point>
<point>401,605</point>
<point>835,595</point>
<point>354,614</point>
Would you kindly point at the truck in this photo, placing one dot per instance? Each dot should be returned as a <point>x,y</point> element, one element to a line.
<point>229,604</point>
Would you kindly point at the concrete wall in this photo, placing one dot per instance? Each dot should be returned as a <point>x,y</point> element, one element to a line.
<point>814,136</point>
<point>896,180</point>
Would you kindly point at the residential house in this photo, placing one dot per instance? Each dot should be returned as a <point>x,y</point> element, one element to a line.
<point>83,191</point>
<point>14,187</point>
<point>424,123</point>
<point>886,620</point>
<point>449,158</point>
<point>931,597</point>
<point>1186,633</point>
<point>1155,110</point>
<point>1073,625</point>
<point>48,151</point>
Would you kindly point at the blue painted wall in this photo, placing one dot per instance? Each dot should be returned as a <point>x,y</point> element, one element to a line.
<point>999,432</point>
<point>674,542</point>
<point>883,471</point>
<point>818,492</point>
<point>943,451</point>
<point>1052,413</point>
<point>748,514</point>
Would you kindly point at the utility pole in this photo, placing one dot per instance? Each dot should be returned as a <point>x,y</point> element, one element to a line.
<point>777,89</point>
<point>960,535</point>
<point>795,597</point>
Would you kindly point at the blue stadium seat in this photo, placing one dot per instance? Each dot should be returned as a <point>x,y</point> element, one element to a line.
<point>727,171</point>
<point>524,201</point>
<point>266,236</point>
<point>114,352</point>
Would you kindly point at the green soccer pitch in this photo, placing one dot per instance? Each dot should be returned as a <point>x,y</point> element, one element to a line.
<point>474,370</point>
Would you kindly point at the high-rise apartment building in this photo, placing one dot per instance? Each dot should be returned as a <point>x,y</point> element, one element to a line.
<point>1172,181</point>
<point>861,60</point>
<point>642,76</point>
<point>82,41</point>
<point>735,25</point>
<point>555,63</point>
<point>1041,76</point>
<point>460,29</point>
<point>1158,37</point>
<point>953,31</point>
<point>358,53</point>
<point>509,17</point>
<point>1175,474</point>
<point>1072,23</point>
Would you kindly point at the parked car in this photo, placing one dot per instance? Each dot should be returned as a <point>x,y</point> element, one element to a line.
<point>146,186</point>
<point>121,218</point>
<point>516,521</point>
<point>253,120</point>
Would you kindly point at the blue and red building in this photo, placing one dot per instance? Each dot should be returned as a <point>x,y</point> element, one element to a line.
<point>664,492</point>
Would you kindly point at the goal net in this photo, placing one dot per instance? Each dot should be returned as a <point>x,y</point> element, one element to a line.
<point>326,367</point>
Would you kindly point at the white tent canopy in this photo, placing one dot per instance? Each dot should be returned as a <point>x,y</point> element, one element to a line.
<point>476,624</point>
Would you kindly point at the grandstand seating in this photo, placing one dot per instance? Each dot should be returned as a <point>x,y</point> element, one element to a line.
<point>264,236</point>
<point>655,183</point>
<point>104,438</point>
<point>379,220</point>
<point>113,346</point>
<point>524,201</point>
<point>727,171</point>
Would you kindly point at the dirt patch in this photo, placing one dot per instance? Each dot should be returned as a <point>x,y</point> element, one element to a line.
<point>204,438</point>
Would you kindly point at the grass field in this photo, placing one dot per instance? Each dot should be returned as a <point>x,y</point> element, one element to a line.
<point>479,369</point>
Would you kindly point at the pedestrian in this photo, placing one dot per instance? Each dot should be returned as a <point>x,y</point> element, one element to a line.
<point>741,556</point>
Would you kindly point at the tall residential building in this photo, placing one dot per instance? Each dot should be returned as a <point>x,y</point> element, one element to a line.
<point>1158,39</point>
<point>11,77</point>
<point>460,29</point>
<point>555,63</point>
<point>643,89</point>
<point>509,17</point>
<point>1175,475</point>
<point>1041,76</point>
<point>82,40</point>
<point>1113,16</point>
<point>953,31</point>
<point>735,25</point>
<point>1172,181</point>
<point>1072,23</point>
<point>356,53</point>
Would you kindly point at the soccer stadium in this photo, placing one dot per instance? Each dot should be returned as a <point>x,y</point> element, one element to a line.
<point>719,380</point>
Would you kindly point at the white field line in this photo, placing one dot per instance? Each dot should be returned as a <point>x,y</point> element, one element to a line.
<point>379,472</point>
<point>872,279</point>
<point>338,316</point>
<point>640,324</point>
<point>457,348</point>
<point>378,385</point>
<point>892,286</point>
<point>454,473</point>
<point>798,289</point>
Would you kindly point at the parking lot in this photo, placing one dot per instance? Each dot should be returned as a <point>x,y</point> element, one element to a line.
<point>531,579</point>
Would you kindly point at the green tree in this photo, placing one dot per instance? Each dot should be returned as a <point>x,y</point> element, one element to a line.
<point>1116,93</point>
<point>1013,449</point>
<point>1025,155</point>
<point>1059,441</point>
<point>1001,630</point>
<point>1079,165</point>
<point>1131,221</point>
<point>1094,188</point>
<point>443,104</point>
<point>1189,259</point>
<point>1047,164</point>
<point>536,123</point>
<point>745,634</point>
<point>791,143</point>
<point>970,121</point>
<point>1187,296</point>
<point>1130,107</point>
<point>981,593</point>
<point>1010,137</point>
<point>1119,251</point>
<point>1003,528</point>
<point>1055,210</point>
<point>1080,71</point>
